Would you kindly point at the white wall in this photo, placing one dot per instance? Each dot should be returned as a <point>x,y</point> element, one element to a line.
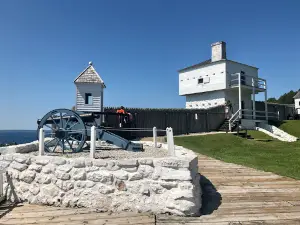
<point>215,73</point>
<point>234,67</point>
<point>205,100</point>
<point>96,91</point>
<point>297,105</point>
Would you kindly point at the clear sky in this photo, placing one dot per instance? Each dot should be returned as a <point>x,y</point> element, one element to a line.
<point>137,48</point>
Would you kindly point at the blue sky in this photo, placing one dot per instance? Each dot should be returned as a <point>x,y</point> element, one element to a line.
<point>137,48</point>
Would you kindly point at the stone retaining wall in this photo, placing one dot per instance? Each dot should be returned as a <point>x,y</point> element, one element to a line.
<point>161,185</point>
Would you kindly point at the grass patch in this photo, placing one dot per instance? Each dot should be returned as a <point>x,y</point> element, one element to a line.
<point>282,158</point>
<point>258,135</point>
<point>291,127</point>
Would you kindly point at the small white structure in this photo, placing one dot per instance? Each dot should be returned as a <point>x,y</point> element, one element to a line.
<point>89,90</point>
<point>215,81</point>
<point>297,102</point>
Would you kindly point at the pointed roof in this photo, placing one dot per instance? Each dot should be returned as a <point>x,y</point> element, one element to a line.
<point>297,95</point>
<point>89,75</point>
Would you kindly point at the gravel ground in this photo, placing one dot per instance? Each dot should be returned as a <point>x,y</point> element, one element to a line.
<point>111,152</point>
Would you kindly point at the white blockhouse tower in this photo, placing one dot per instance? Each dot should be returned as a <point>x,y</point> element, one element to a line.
<point>215,81</point>
<point>89,90</point>
<point>297,102</point>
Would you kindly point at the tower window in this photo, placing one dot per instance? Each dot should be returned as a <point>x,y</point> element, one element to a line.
<point>88,99</point>
<point>200,81</point>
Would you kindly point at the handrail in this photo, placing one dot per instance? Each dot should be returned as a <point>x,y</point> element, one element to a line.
<point>232,117</point>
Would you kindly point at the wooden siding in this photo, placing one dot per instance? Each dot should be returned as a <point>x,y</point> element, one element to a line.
<point>95,90</point>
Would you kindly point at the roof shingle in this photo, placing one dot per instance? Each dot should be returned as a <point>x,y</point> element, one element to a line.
<point>89,75</point>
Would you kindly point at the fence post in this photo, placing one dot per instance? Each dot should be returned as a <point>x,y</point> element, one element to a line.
<point>170,140</point>
<point>41,142</point>
<point>155,137</point>
<point>93,142</point>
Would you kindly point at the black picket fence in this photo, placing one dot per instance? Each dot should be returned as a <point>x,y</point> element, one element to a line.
<point>183,121</point>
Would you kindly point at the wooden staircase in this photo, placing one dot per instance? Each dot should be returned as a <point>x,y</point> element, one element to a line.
<point>225,126</point>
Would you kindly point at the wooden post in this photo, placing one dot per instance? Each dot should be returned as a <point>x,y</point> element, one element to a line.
<point>170,140</point>
<point>240,97</point>
<point>1,183</point>
<point>93,142</point>
<point>41,142</point>
<point>266,103</point>
<point>155,137</point>
<point>253,100</point>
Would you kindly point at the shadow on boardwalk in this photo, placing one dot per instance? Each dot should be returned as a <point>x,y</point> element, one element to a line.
<point>211,198</point>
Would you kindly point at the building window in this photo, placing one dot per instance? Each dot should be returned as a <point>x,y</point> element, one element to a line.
<point>88,99</point>
<point>200,81</point>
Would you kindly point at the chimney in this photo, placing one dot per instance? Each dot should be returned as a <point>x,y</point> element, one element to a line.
<point>218,51</point>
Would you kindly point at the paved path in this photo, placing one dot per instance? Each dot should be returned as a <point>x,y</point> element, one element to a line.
<point>233,195</point>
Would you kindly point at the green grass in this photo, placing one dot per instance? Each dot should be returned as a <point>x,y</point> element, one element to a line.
<point>291,127</point>
<point>282,158</point>
<point>257,135</point>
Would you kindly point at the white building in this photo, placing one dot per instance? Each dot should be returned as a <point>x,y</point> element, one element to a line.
<point>214,81</point>
<point>297,102</point>
<point>89,90</point>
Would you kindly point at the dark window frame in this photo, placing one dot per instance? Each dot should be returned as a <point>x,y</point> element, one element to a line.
<point>87,97</point>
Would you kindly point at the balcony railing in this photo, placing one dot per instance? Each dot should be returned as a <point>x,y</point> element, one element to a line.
<point>247,81</point>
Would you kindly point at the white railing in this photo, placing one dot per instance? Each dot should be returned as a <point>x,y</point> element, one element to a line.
<point>247,80</point>
<point>234,117</point>
<point>93,139</point>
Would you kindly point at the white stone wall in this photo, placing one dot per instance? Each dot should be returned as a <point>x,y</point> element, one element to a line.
<point>205,100</point>
<point>160,185</point>
<point>277,133</point>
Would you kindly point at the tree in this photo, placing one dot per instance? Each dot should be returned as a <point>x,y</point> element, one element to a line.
<point>273,100</point>
<point>286,98</point>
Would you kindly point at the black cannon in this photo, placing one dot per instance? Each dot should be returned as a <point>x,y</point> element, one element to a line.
<point>70,130</point>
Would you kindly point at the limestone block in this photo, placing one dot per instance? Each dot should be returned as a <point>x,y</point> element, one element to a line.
<point>100,176</point>
<point>62,175</point>
<point>85,184</point>
<point>172,174</point>
<point>171,163</point>
<point>78,163</point>
<point>23,187</point>
<point>4,164</point>
<point>146,170</point>
<point>64,185</point>
<point>35,167</point>
<point>26,148</point>
<point>88,162</point>
<point>78,174</point>
<point>65,168</point>
<point>42,160</point>
<point>111,166</point>
<point>128,163</point>
<point>49,190</point>
<point>8,157</point>
<point>58,161</point>
<point>14,174</point>
<point>130,169</point>
<point>22,159</point>
<point>27,176</point>
<point>91,169</point>
<point>50,168</point>
<point>121,175</point>
<point>18,166</point>
<point>185,185</point>
<point>120,185</point>
<point>105,189</point>
<point>34,188</point>
<point>148,162</point>
<point>135,176</point>
<point>43,179</point>
<point>99,162</point>
<point>187,207</point>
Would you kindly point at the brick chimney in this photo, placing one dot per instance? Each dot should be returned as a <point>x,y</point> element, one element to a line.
<point>218,51</point>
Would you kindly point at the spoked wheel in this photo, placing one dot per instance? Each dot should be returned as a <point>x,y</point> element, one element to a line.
<point>64,131</point>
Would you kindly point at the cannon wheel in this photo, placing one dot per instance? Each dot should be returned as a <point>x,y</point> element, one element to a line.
<point>64,131</point>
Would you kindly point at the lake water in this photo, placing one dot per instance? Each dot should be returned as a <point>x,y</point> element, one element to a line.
<point>18,136</point>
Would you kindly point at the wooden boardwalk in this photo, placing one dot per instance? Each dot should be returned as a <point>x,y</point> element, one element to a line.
<point>232,195</point>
